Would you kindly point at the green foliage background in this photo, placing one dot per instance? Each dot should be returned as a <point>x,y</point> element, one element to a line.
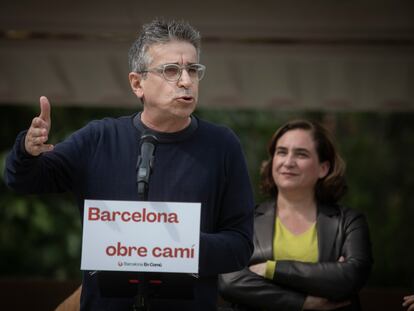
<point>40,236</point>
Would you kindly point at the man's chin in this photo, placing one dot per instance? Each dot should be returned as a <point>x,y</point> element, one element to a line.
<point>186,111</point>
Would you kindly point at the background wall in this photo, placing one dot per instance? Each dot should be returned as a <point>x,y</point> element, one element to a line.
<point>320,54</point>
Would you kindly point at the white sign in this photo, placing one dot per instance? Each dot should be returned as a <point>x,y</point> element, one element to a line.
<point>141,236</point>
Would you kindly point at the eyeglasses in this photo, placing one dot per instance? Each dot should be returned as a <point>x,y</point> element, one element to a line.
<point>173,72</point>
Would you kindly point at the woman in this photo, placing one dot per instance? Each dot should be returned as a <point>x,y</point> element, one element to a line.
<point>310,253</point>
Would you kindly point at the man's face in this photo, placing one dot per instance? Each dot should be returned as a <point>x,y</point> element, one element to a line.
<point>168,101</point>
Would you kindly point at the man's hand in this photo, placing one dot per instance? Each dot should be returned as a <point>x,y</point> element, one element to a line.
<point>408,301</point>
<point>319,303</point>
<point>38,133</point>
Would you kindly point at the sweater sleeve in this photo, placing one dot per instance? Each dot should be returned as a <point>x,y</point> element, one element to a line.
<point>333,280</point>
<point>230,246</point>
<point>51,172</point>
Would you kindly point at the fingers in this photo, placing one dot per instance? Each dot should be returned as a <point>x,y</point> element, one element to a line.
<point>259,269</point>
<point>36,137</point>
<point>341,259</point>
<point>45,109</point>
<point>38,123</point>
<point>38,133</point>
<point>341,304</point>
<point>409,301</point>
<point>409,298</point>
<point>36,150</point>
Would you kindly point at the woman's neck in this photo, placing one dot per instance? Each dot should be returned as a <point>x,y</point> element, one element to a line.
<point>298,206</point>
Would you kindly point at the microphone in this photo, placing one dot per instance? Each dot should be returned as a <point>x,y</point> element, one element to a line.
<point>145,163</point>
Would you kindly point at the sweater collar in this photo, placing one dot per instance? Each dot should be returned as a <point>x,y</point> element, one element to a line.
<point>163,137</point>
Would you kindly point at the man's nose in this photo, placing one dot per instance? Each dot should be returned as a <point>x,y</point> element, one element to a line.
<point>185,79</point>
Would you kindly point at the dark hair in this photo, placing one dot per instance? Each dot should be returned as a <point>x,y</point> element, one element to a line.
<point>328,189</point>
<point>156,32</point>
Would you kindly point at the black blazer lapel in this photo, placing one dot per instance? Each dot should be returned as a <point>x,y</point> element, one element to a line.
<point>327,228</point>
<point>263,232</point>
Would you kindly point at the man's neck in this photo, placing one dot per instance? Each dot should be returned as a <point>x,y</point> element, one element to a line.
<point>165,125</point>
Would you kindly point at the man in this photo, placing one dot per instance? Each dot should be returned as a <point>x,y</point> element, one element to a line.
<point>195,161</point>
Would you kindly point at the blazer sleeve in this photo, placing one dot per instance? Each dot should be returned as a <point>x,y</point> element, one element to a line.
<point>333,280</point>
<point>249,289</point>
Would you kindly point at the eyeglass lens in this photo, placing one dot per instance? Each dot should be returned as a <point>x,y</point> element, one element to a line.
<point>173,72</point>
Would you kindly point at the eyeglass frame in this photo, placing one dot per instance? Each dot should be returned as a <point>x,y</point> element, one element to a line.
<point>161,69</point>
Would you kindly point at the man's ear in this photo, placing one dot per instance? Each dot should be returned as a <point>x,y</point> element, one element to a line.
<point>324,169</point>
<point>135,80</point>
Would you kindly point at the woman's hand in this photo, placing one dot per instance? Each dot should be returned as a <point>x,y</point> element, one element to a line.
<point>319,303</point>
<point>408,301</point>
<point>259,268</point>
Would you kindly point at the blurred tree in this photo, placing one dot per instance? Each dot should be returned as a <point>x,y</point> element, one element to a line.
<point>41,235</point>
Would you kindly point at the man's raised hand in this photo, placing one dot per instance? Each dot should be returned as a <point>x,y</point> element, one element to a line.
<point>38,133</point>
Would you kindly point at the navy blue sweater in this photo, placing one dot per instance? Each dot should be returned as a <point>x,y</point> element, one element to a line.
<point>203,163</point>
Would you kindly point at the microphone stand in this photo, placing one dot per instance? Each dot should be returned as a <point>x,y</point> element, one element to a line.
<point>174,284</point>
<point>144,164</point>
<point>144,168</point>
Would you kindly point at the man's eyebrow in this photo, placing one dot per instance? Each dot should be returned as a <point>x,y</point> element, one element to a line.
<point>178,63</point>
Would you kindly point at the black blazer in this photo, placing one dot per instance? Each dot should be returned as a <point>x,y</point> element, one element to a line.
<point>341,232</point>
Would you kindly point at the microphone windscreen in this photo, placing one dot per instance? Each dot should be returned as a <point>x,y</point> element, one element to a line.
<point>148,137</point>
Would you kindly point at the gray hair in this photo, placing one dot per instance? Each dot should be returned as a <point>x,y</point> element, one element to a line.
<point>158,32</point>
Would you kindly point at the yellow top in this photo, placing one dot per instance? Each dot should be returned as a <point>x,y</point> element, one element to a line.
<point>288,246</point>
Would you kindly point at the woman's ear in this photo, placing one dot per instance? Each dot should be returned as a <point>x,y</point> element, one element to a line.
<point>324,169</point>
<point>135,80</point>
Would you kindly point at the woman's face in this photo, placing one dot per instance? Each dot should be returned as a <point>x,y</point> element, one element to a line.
<point>296,165</point>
